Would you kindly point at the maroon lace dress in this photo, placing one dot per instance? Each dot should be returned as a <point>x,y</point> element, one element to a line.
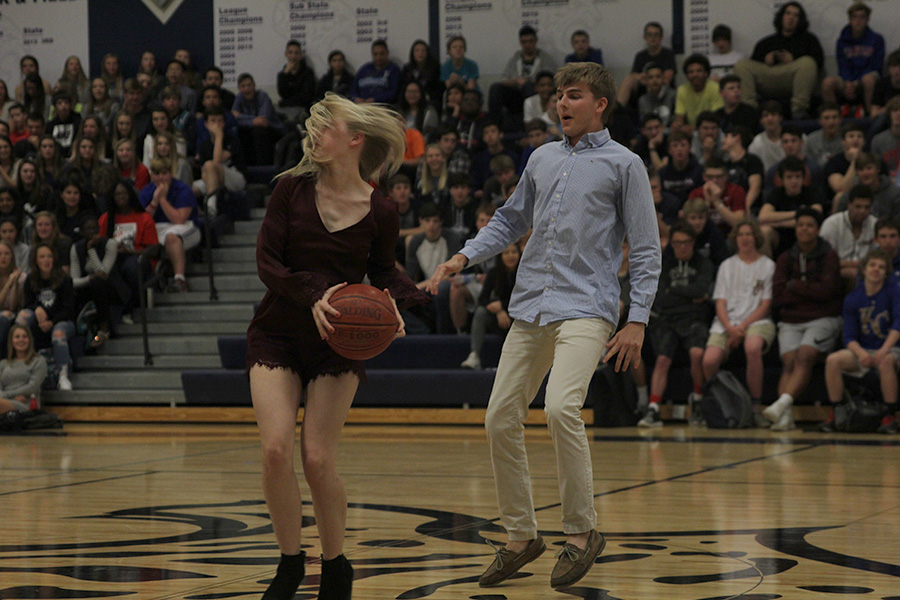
<point>299,259</point>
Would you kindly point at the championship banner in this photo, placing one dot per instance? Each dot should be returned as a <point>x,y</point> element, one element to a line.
<point>48,31</point>
<point>491,27</point>
<point>251,36</point>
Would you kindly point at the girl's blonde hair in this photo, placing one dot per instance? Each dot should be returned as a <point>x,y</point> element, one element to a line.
<point>383,147</point>
<point>426,184</point>
<point>174,155</point>
<point>116,162</point>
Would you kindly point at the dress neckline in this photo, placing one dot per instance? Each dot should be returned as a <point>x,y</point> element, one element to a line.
<point>352,225</point>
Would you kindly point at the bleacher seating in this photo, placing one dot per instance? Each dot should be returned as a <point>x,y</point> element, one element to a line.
<point>415,371</point>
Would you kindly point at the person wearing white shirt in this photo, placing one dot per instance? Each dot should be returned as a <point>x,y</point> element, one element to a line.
<point>852,232</point>
<point>743,297</point>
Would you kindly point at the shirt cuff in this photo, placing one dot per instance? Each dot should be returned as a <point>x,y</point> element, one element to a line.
<point>638,314</point>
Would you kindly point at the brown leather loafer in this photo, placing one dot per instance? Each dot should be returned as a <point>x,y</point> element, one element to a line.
<point>506,563</point>
<point>574,563</point>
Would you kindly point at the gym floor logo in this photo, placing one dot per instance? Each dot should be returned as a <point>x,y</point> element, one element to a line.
<point>163,9</point>
<point>207,540</point>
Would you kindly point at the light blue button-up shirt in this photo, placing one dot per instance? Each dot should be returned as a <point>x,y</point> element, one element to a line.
<point>581,202</point>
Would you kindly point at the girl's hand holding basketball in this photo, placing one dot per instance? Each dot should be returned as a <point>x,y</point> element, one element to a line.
<point>321,308</point>
<point>401,325</point>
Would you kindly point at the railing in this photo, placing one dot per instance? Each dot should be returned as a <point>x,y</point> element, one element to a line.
<point>207,231</point>
<point>157,252</point>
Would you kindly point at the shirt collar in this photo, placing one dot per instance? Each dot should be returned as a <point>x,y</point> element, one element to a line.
<point>590,140</point>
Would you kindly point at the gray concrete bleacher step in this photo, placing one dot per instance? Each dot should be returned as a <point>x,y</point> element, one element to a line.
<point>239,239</point>
<point>125,379</point>
<point>228,283</point>
<point>104,362</point>
<point>202,297</point>
<point>233,267</point>
<point>163,344</point>
<point>181,328</point>
<point>184,330</point>
<point>156,397</point>
<point>233,253</point>
<point>245,227</point>
<point>189,313</point>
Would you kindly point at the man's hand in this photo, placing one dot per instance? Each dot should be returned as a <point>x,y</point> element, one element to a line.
<point>504,320</point>
<point>711,192</point>
<point>456,264</point>
<point>866,360</point>
<point>215,128</point>
<point>627,344</point>
<point>162,190</point>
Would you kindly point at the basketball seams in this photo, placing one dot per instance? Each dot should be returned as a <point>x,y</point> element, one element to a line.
<point>379,301</point>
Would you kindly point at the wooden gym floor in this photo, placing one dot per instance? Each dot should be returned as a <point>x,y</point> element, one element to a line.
<point>176,511</point>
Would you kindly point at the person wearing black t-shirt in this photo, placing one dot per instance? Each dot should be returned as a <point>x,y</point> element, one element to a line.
<point>840,172</point>
<point>777,215</point>
<point>889,86</point>
<point>683,173</point>
<point>744,169</point>
<point>653,143</point>
<point>734,112</point>
<point>634,84</point>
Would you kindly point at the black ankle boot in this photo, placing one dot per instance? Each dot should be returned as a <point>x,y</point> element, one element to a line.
<point>337,579</point>
<point>290,573</point>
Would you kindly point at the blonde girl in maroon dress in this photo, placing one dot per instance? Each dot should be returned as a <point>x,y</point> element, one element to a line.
<point>325,227</point>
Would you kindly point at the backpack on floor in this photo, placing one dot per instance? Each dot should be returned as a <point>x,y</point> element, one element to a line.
<point>862,408</point>
<point>17,421</point>
<point>726,403</point>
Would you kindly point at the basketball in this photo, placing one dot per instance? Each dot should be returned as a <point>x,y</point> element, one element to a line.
<point>367,323</point>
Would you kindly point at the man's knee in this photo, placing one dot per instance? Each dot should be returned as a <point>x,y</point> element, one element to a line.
<point>807,356</point>
<point>497,422</point>
<point>805,64</point>
<point>663,363</point>
<point>562,413</point>
<point>173,241</point>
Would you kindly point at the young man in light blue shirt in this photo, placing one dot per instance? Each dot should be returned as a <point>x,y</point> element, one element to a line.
<point>581,197</point>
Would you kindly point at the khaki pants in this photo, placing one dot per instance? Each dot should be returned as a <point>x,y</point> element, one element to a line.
<point>796,79</point>
<point>573,348</point>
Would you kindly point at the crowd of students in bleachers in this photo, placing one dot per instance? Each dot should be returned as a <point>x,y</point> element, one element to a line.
<point>123,164</point>
<point>742,183</point>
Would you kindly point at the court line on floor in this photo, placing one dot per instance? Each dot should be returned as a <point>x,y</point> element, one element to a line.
<point>690,474</point>
<point>746,440</point>
<point>487,522</point>
<point>113,468</point>
<point>75,483</point>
